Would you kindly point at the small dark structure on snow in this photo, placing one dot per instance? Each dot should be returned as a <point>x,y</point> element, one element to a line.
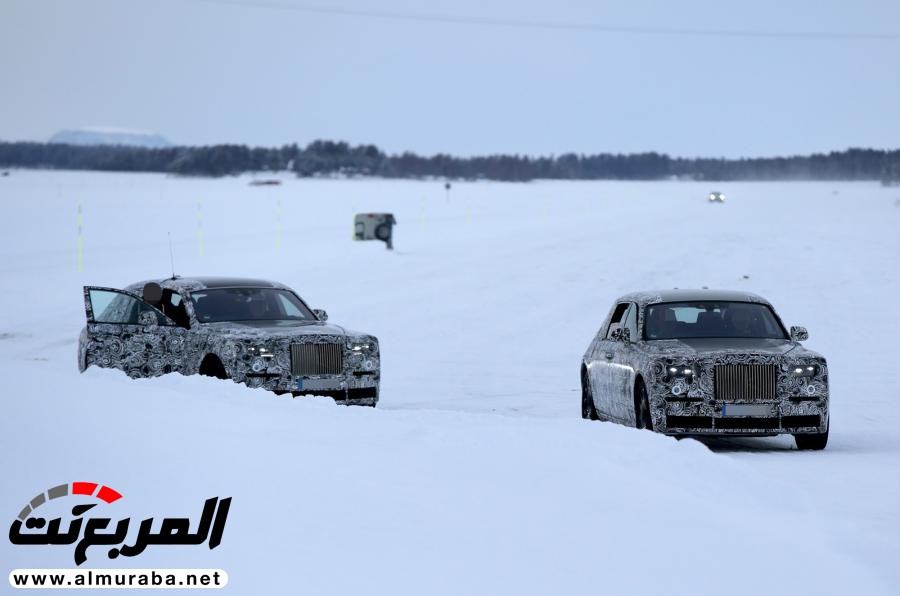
<point>375,226</point>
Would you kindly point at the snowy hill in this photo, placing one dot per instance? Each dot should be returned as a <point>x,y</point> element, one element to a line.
<point>110,136</point>
<point>475,474</point>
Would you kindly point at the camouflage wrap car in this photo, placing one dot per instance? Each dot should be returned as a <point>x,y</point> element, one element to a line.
<point>255,332</point>
<point>705,362</point>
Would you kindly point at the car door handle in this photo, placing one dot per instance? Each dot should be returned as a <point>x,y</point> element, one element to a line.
<point>609,355</point>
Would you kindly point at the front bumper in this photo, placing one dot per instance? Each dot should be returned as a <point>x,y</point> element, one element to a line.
<point>745,403</point>
<point>756,418</point>
<point>355,388</point>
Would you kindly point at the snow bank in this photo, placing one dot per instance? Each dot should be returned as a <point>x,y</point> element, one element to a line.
<point>475,474</point>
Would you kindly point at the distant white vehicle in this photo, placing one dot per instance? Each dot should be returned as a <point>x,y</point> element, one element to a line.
<point>716,197</point>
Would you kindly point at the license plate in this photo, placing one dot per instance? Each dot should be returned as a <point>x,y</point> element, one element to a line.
<point>317,384</point>
<point>746,410</point>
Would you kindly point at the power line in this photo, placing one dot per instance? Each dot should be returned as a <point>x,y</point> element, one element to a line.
<point>554,26</point>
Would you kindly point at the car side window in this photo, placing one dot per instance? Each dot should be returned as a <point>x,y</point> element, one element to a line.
<point>120,308</point>
<point>289,308</point>
<point>631,321</point>
<point>616,320</point>
<point>173,307</point>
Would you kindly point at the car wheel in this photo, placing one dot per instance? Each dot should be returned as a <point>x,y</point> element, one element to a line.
<point>383,232</point>
<point>812,442</point>
<point>642,416</point>
<point>588,411</point>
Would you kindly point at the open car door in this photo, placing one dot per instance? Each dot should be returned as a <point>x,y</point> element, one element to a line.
<point>127,333</point>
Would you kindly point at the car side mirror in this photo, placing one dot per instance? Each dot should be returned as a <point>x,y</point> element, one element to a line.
<point>622,334</point>
<point>799,334</point>
<point>320,314</point>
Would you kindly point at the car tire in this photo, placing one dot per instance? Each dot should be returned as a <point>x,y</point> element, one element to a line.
<point>811,442</point>
<point>383,232</point>
<point>643,418</point>
<point>588,411</point>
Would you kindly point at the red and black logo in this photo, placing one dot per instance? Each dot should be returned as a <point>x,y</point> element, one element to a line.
<point>96,530</point>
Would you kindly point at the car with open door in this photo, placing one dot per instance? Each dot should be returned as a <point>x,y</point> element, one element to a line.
<point>255,332</point>
<point>705,362</point>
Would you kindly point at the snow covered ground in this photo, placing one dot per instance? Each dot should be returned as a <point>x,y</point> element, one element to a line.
<point>476,473</point>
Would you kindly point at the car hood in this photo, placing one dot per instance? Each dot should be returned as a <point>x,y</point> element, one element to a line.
<point>705,347</point>
<point>275,329</point>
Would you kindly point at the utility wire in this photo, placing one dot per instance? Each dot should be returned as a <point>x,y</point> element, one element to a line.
<point>554,26</point>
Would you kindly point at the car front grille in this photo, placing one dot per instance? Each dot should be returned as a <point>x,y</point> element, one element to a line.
<point>317,359</point>
<point>745,382</point>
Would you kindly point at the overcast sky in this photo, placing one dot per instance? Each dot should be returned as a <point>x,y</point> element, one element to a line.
<point>201,72</point>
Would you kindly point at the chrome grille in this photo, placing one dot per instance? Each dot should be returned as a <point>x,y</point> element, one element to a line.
<point>317,359</point>
<point>745,382</point>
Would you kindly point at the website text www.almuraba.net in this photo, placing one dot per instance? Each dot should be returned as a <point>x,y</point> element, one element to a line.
<point>118,578</point>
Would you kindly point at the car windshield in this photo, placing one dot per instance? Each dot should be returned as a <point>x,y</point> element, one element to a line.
<point>249,304</point>
<point>684,320</point>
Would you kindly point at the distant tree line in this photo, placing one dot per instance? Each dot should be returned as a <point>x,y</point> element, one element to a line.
<point>330,158</point>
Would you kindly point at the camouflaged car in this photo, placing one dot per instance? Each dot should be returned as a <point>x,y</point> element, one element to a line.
<point>255,332</point>
<point>705,362</point>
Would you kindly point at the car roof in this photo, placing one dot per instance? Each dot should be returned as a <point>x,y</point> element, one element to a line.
<point>646,297</point>
<point>193,284</point>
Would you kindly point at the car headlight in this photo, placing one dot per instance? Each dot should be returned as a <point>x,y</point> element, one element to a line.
<point>803,370</point>
<point>363,346</point>
<point>261,352</point>
<point>680,371</point>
